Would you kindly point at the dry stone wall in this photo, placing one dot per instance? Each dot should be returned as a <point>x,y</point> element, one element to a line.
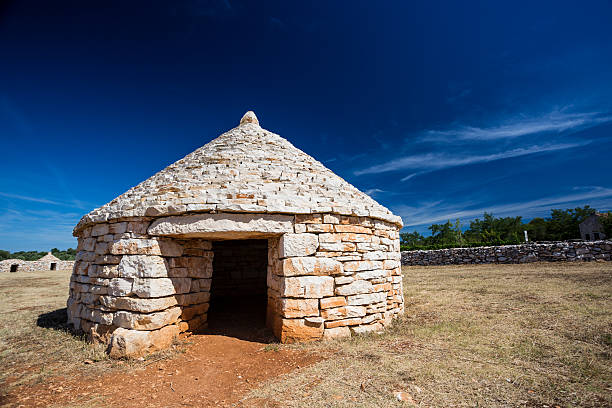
<point>19,265</point>
<point>333,277</point>
<point>328,276</point>
<point>529,252</point>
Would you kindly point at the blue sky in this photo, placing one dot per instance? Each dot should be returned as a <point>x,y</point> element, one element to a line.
<point>440,110</point>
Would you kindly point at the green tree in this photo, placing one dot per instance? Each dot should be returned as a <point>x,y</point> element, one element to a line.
<point>491,230</point>
<point>412,239</point>
<point>447,234</point>
<point>606,223</point>
<point>537,229</point>
<point>563,224</point>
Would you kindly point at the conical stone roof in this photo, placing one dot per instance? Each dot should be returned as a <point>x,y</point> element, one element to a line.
<point>246,169</point>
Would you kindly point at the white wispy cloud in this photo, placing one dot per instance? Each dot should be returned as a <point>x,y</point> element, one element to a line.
<point>26,198</point>
<point>429,213</point>
<point>373,191</point>
<point>437,161</point>
<point>519,126</point>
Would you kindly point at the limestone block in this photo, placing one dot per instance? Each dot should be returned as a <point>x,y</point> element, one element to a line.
<point>99,229</point>
<point>156,287</point>
<point>170,248</point>
<point>352,228</point>
<point>331,219</point>
<point>336,333</point>
<point>366,298</point>
<point>343,280</point>
<point>391,264</point>
<point>377,274</point>
<point>344,322</point>
<point>336,301</point>
<point>298,245</point>
<point>120,287</point>
<point>307,286</point>
<point>118,228</point>
<point>375,256</point>
<point>189,312</point>
<point>148,321</point>
<point>142,266</point>
<point>343,312</point>
<point>106,271</point>
<point>355,266</point>
<point>192,298</point>
<point>133,246</point>
<point>203,284</point>
<point>354,288</point>
<point>298,330</point>
<point>88,244</point>
<point>337,246</point>
<point>319,227</point>
<point>135,343</point>
<point>217,224</point>
<point>311,266</point>
<point>138,304</point>
<point>292,308</point>
<point>371,317</point>
<point>376,327</point>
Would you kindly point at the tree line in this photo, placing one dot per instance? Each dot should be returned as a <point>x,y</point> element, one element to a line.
<point>562,225</point>
<point>66,255</point>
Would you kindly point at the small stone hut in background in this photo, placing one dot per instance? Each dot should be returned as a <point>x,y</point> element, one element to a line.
<point>249,220</point>
<point>48,262</point>
<point>591,228</point>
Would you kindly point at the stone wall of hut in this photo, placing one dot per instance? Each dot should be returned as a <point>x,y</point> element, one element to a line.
<point>328,276</point>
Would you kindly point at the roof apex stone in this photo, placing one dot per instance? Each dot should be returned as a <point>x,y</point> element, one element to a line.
<point>245,170</point>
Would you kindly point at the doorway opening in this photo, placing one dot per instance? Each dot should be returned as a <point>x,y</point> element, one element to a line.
<point>14,267</point>
<point>53,266</point>
<point>238,293</point>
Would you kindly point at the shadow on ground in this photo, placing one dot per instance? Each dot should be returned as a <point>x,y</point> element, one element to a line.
<point>56,320</point>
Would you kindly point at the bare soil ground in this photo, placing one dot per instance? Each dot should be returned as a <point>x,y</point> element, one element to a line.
<point>532,335</point>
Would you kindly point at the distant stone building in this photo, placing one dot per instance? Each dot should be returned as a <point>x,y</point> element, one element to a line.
<point>247,220</point>
<point>591,228</point>
<point>48,262</point>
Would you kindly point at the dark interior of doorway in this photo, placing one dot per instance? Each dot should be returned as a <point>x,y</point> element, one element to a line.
<point>238,291</point>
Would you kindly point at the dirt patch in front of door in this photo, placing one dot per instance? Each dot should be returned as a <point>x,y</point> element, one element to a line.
<point>214,370</point>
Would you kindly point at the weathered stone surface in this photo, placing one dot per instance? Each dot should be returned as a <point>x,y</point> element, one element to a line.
<point>292,308</point>
<point>355,266</point>
<point>354,288</point>
<point>297,330</point>
<point>366,298</point>
<point>146,321</point>
<point>159,287</point>
<point>142,266</point>
<point>136,343</point>
<point>311,266</point>
<point>376,327</point>
<point>336,333</point>
<point>336,301</point>
<point>298,245</point>
<point>307,286</point>
<point>343,312</point>
<point>226,225</point>
<point>529,252</point>
<point>138,304</point>
<point>120,287</point>
<point>344,322</point>
<point>131,246</point>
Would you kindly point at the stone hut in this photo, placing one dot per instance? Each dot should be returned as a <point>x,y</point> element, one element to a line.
<point>48,262</point>
<point>250,220</point>
<point>591,228</point>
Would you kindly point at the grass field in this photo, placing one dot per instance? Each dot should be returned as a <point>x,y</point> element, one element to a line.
<point>488,335</point>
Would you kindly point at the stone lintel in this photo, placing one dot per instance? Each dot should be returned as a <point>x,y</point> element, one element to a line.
<point>223,226</point>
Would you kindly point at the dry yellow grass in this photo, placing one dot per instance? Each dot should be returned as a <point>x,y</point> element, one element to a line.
<point>531,335</point>
<point>490,335</point>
